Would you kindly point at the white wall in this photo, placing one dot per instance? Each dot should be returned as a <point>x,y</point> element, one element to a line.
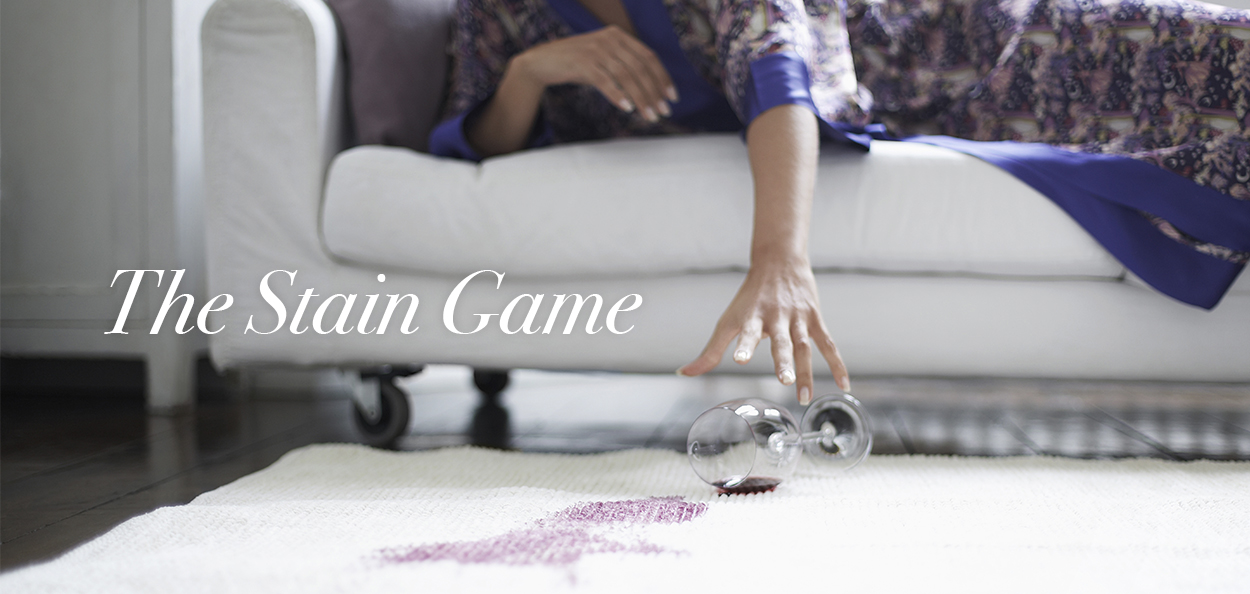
<point>80,148</point>
<point>75,174</point>
<point>100,172</point>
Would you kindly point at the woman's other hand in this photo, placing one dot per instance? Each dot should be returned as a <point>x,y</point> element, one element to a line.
<point>778,299</point>
<point>627,72</point>
<point>622,68</point>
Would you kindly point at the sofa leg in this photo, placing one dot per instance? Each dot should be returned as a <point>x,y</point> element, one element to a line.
<point>381,409</point>
<point>170,369</point>
<point>491,426</point>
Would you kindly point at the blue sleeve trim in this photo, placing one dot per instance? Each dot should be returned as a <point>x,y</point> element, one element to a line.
<point>448,139</point>
<point>777,79</point>
<point>782,79</point>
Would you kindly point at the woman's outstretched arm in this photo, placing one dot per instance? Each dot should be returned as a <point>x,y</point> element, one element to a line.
<point>778,299</point>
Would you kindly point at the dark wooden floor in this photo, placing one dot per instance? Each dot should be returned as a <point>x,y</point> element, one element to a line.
<point>79,455</point>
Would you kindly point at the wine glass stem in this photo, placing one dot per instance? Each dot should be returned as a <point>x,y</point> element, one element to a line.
<point>817,436</point>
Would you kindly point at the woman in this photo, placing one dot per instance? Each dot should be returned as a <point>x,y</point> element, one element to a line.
<point>1111,88</point>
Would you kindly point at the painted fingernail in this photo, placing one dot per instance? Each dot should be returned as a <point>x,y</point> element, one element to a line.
<point>649,114</point>
<point>787,376</point>
<point>671,92</point>
<point>742,356</point>
<point>664,109</point>
<point>626,105</point>
<point>805,395</point>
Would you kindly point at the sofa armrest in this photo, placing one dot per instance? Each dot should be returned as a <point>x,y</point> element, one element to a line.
<point>273,119</point>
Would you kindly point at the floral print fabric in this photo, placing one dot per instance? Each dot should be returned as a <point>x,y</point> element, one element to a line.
<point>724,37</point>
<point>720,38</point>
<point>1165,82</point>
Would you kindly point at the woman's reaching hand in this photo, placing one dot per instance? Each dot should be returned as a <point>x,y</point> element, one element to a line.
<point>778,299</point>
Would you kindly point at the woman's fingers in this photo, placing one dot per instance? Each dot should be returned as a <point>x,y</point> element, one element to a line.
<point>622,68</point>
<point>820,335</point>
<point>627,72</point>
<point>649,65</point>
<point>711,355</point>
<point>788,313</point>
<point>802,361</point>
<point>791,344</point>
<point>748,339</point>
<point>783,351</point>
<point>634,84</point>
<point>606,84</point>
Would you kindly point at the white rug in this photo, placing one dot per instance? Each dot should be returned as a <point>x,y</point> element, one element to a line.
<point>339,518</point>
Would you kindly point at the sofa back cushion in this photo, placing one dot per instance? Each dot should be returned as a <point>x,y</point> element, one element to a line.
<point>396,67</point>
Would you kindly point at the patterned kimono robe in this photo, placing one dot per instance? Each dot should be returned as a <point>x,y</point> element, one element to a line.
<point>1130,115</point>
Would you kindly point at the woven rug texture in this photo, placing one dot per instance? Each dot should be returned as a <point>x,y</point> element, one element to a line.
<point>343,518</point>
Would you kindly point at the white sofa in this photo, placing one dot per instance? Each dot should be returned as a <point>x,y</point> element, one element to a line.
<point>929,262</point>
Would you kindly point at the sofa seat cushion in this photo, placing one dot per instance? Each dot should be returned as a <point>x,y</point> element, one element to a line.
<point>684,204</point>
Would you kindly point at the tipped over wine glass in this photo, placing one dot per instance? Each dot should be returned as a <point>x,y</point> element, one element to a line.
<point>751,445</point>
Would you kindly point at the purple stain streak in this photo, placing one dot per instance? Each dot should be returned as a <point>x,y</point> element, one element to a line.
<point>656,510</point>
<point>561,538</point>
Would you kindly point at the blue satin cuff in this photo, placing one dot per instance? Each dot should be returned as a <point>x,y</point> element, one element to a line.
<point>448,138</point>
<point>782,79</point>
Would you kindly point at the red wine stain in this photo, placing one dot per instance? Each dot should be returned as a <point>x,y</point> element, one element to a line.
<point>751,485</point>
<point>561,538</point>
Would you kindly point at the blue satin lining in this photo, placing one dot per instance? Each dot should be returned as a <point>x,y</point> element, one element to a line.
<point>1106,195</point>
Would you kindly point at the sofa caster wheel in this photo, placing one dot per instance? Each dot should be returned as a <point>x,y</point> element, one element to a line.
<point>383,419</point>
<point>383,426</point>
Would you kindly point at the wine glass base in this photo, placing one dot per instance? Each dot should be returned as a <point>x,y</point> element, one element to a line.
<point>842,418</point>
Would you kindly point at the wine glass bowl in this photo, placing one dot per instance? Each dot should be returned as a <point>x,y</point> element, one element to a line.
<point>744,446</point>
<point>751,445</point>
